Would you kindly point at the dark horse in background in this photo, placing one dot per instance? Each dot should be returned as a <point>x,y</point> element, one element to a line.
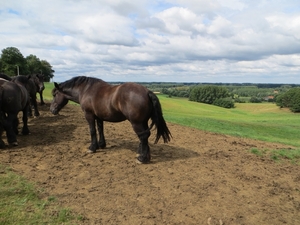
<point>101,101</point>
<point>13,99</point>
<point>34,84</point>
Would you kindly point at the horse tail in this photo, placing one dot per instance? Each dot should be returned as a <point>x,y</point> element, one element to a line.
<point>158,120</point>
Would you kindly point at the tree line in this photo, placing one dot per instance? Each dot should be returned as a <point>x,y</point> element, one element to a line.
<point>12,63</point>
<point>226,95</point>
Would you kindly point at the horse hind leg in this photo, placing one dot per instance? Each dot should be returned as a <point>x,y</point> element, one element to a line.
<point>9,127</point>
<point>143,133</point>
<point>25,129</point>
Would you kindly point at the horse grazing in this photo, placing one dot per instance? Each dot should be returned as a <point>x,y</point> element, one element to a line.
<point>101,101</point>
<point>32,84</point>
<point>13,99</point>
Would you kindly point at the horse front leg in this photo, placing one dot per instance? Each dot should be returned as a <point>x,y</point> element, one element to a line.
<point>41,98</point>
<point>25,129</point>
<point>91,121</point>
<point>143,132</point>
<point>34,104</point>
<point>102,142</point>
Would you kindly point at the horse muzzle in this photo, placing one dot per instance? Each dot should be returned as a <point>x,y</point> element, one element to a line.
<point>54,110</point>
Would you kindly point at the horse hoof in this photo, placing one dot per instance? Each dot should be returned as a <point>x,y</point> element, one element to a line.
<point>90,151</point>
<point>138,161</point>
<point>141,162</point>
<point>14,143</point>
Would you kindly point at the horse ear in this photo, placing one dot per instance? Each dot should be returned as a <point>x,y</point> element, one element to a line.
<point>56,85</point>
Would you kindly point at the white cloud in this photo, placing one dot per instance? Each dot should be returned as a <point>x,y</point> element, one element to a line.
<point>140,40</point>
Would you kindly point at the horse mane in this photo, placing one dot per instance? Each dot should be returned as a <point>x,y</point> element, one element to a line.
<point>75,81</point>
<point>4,76</point>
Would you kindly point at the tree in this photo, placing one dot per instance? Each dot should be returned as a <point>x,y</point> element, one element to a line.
<point>34,64</point>
<point>12,60</point>
<point>208,93</point>
<point>290,99</point>
<point>47,70</point>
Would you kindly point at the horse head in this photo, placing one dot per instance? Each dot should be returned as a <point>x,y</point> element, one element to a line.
<point>38,80</point>
<point>59,99</point>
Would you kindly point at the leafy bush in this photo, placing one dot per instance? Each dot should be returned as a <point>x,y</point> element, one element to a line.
<point>208,93</point>
<point>239,100</point>
<point>255,100</point>
<point>224,102</point>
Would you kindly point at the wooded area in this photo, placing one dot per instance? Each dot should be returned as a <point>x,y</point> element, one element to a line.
<point>12,63</point>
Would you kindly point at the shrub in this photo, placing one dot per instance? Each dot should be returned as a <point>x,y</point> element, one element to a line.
<point>208,93</point>
<point>238,100</point>
<point>224,102</point>
<point>255,100</point>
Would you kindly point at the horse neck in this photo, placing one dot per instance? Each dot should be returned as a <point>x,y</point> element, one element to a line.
<point>72,94</point>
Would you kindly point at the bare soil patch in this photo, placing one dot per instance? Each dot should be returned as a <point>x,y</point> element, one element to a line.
<point>198,178</point>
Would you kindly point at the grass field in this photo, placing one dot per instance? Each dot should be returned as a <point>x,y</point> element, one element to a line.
<point>261,121</point>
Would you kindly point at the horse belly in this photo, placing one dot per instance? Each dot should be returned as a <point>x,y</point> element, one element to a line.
<point>112,117</point>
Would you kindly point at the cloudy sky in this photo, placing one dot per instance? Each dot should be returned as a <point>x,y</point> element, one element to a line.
<point>255,41</point>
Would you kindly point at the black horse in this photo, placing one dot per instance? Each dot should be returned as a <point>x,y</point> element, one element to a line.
<point>101,101</point>
<point>32,84</point>
<point>13,99</point>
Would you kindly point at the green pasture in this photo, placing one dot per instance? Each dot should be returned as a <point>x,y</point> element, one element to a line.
<point>261,121</point>
<point>47,92</point>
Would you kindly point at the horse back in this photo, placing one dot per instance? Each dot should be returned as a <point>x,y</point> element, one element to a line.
<point>117,103</point>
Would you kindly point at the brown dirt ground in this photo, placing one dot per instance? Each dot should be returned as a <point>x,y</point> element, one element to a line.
<point>197,178</point>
